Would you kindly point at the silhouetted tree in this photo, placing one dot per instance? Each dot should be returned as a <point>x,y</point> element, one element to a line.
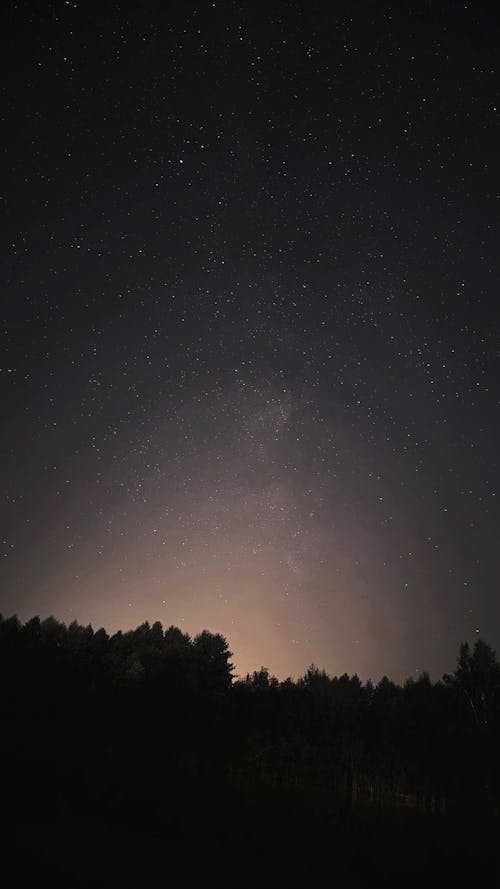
<point>477,676</point>
<point>212,661</point>
<point>79,690</point>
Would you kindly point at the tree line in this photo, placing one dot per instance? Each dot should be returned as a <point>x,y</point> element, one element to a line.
<point>78,703</point>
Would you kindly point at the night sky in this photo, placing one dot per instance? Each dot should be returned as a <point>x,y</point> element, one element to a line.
<point>250,325</point>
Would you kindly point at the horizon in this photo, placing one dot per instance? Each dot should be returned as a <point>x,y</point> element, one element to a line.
<point>238,675</point>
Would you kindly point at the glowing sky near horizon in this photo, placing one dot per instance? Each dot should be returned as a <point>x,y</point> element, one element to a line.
<point>250,328</point>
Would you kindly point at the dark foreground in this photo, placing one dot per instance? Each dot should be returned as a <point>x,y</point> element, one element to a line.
<point>240,833</point>
<point>136,760</point>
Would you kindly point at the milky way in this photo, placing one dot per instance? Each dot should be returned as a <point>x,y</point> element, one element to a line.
<point>250,352</point>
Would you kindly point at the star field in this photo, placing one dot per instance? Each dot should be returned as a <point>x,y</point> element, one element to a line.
<point>250,331</point>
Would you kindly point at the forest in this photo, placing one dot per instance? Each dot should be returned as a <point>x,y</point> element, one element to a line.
<point>145,736</point>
